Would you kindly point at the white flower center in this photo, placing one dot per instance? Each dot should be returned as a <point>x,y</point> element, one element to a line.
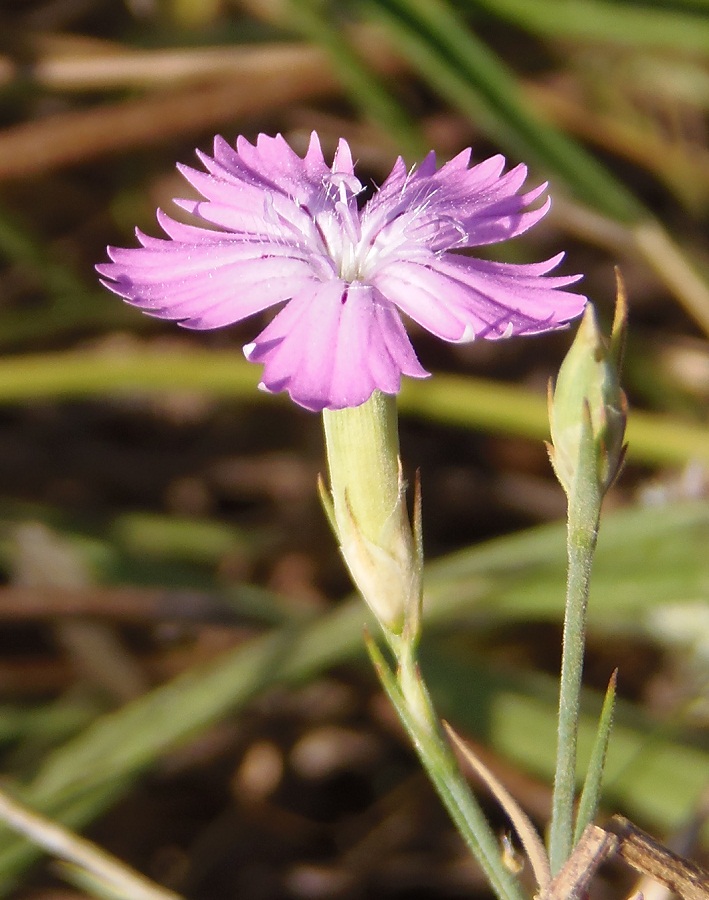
<point>352,244</point>
<point>357,246</point>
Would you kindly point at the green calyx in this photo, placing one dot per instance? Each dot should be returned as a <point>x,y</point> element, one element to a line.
<point>367,509</point>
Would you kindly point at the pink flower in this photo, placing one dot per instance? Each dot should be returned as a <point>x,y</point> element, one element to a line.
<point>286,230</point>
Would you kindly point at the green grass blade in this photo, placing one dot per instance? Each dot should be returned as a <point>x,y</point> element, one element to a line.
<point>71,302</point>
<point>652,774</point>
<point>366,90</point>
<point>115,749</point>
<point>473,78</point>
<point>474,403</point>
<point>632,25</point>
<point>591,793</point>
<point>446,52</point>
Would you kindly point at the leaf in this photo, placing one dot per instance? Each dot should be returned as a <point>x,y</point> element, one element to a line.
<point>591,794</point>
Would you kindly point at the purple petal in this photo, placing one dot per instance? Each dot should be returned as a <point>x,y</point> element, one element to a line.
<point>342,162</point>
<point>204,285</point>
<point>456,207</point>
<point>243,209</point>
<point>460,298</point>
<point>514,299</point>
<point>179,231</point>
<point>333,345</point>
<point>267,189</point>
<point>425,296</point>
<point>300,179</point>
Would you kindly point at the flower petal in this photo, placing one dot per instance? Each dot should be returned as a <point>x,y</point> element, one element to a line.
<point>300,179</point>
<point>456,207</point>
<point>257,190</point>
<point>333,345</point>
<point>459,298</point>
<point>204,285</point>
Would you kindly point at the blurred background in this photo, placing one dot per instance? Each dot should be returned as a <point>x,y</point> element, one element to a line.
<point>181,671</point>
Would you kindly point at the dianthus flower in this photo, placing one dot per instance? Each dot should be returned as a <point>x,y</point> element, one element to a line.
<point>282,229</point>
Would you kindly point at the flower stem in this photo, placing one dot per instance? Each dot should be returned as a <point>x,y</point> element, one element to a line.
<point>367,509</point>
<point>582,532</point>
<point>409,695</point>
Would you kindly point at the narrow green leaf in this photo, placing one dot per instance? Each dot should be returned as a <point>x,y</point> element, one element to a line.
<point>466,402</point>
<point>591,793</point>
<point>653,774</point>
<point>633,25</point>
<point>439,43</point>
<point>643,559</point>
<point>366,90</point>
<point>384,673</point>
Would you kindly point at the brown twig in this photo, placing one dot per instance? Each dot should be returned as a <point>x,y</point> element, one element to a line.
<point>644,854</point>
<point>64,139</point>
<point>639,850</point>
<point>572,882</point>
<point>117,604</point>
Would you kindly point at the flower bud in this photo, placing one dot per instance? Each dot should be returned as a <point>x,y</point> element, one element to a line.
<point>588,400</point>
<point>367,509</point>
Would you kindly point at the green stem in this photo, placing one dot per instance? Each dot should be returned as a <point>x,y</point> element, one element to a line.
<point>368,511</point>
<point>582,533</point>
<point>410,697</point>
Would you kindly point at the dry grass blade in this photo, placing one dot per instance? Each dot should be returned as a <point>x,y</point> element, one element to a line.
<point>74,849</point>
<point>123,604</point>
<point>259,80</point>
<point>683,167</point>
<point>64,63</point>
<point>533,846</point>
<point>267,81</point>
